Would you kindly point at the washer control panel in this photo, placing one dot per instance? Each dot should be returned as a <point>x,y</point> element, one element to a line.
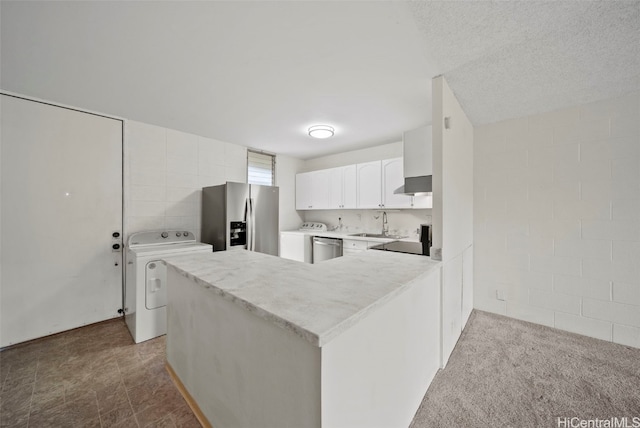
<point>160,237</point>
<point>314,226</point>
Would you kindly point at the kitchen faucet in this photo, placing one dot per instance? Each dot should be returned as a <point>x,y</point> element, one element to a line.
<point>385,226</point>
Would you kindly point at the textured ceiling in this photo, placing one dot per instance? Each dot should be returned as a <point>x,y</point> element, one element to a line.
<point>510,59</point>
<point>259,73</point>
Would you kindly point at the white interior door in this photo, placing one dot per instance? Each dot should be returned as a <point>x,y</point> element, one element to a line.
<point>61,202</point>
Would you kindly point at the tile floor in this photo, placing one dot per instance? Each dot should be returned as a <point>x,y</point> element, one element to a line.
<point>93,376</point>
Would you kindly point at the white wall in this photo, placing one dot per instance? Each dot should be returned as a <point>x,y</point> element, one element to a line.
<point>286,169</point>
<point>385,151</point>
<point>452,210</point>
<point>166,170</point>
<point>557,219</point>
<point>403,222</point>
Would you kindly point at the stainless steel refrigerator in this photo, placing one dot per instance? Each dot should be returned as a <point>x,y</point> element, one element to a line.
<point>239,215</point>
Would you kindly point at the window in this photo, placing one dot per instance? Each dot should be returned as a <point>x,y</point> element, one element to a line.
<point>261,168</point>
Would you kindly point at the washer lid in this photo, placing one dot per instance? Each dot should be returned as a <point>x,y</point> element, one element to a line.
<point>160,237</point>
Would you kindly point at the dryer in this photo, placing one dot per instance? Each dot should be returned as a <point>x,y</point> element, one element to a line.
<point>146,278</point>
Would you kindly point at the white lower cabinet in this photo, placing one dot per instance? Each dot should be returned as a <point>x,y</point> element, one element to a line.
<point>296,246</point>
<point>356,246</point>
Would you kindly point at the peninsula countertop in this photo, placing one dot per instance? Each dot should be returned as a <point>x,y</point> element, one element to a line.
<point>315,301</point>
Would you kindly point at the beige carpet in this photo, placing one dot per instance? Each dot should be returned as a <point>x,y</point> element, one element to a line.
<point>509,373</point>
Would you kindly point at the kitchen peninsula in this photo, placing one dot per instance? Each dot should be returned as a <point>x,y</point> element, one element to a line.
<point>261,341</point>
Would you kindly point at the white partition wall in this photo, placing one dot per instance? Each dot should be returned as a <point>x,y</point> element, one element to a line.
<point>61,202</point>
<point>453,209</point>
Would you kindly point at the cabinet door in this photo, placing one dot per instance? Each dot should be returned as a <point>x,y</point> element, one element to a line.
<point>336,188</point>
<point>350,187</point>
<point>369,179</point>
<point>320,189</point>
<point>392,178</point>
<point>292,246</point>
<point>304,191</point>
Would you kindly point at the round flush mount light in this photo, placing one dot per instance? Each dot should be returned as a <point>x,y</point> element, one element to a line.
<point>321,131</point>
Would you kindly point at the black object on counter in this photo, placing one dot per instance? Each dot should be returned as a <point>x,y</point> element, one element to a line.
<point>402,247</point>
<point>425,238</point>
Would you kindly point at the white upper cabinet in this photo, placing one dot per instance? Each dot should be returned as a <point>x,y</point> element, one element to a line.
<point>342,187</point>
<point>312,190</point>
<point>303,191</point>
<point>350,180</point>
<point>392,178</point>
<point>320,189</point>
<point>369,185</point>
<point>369,179</point>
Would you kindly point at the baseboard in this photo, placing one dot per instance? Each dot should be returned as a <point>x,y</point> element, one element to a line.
<point>187,397</point>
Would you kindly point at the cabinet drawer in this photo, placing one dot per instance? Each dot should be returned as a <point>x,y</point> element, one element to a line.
<point>354,245</point>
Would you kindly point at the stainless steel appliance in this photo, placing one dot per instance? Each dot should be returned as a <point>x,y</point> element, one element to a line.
<point>420,248</point>
<point>326,248</point>
<point>401,247</point>
<point>240,215</point>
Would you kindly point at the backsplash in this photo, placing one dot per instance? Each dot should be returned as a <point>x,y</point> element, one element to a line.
<point>400,222</point>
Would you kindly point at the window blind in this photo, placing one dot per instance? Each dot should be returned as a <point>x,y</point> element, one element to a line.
<point>260,168</point>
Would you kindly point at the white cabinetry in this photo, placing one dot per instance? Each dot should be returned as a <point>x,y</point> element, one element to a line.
<point>312,190</point>
<point>295,246</point>
<point>368,185</point>
<point>342,187</point>
<point>369,178</point>
<point>376,182</point>
<point>303,191</point>
<point>392,178</point>
<point>355,246</point>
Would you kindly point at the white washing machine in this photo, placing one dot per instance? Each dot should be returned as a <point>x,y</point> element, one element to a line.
<point>146,278</point>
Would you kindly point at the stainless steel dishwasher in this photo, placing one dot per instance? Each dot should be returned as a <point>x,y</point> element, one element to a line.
<point>326,248</point>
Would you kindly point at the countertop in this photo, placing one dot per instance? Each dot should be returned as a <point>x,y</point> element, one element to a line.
<point>347,235</point>
<point>315,301</point>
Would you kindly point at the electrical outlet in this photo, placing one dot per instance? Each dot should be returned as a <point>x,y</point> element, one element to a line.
<point>500,295</point>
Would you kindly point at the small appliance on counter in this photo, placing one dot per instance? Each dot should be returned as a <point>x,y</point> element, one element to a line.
<point>425,238</point>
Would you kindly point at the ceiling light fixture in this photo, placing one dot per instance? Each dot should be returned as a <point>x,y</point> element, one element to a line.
<point>321,131</point>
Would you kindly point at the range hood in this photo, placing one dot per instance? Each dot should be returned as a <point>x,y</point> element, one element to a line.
<point>418,167</point>
<point>413,185</point>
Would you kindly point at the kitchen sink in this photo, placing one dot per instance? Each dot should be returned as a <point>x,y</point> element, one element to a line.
<point>377,235</point>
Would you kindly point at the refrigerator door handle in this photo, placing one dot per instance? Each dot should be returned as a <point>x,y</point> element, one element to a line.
<point>252,215</point>
<point>247,220</point>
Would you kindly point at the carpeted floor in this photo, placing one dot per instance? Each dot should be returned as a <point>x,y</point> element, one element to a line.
<point>509,373</point>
